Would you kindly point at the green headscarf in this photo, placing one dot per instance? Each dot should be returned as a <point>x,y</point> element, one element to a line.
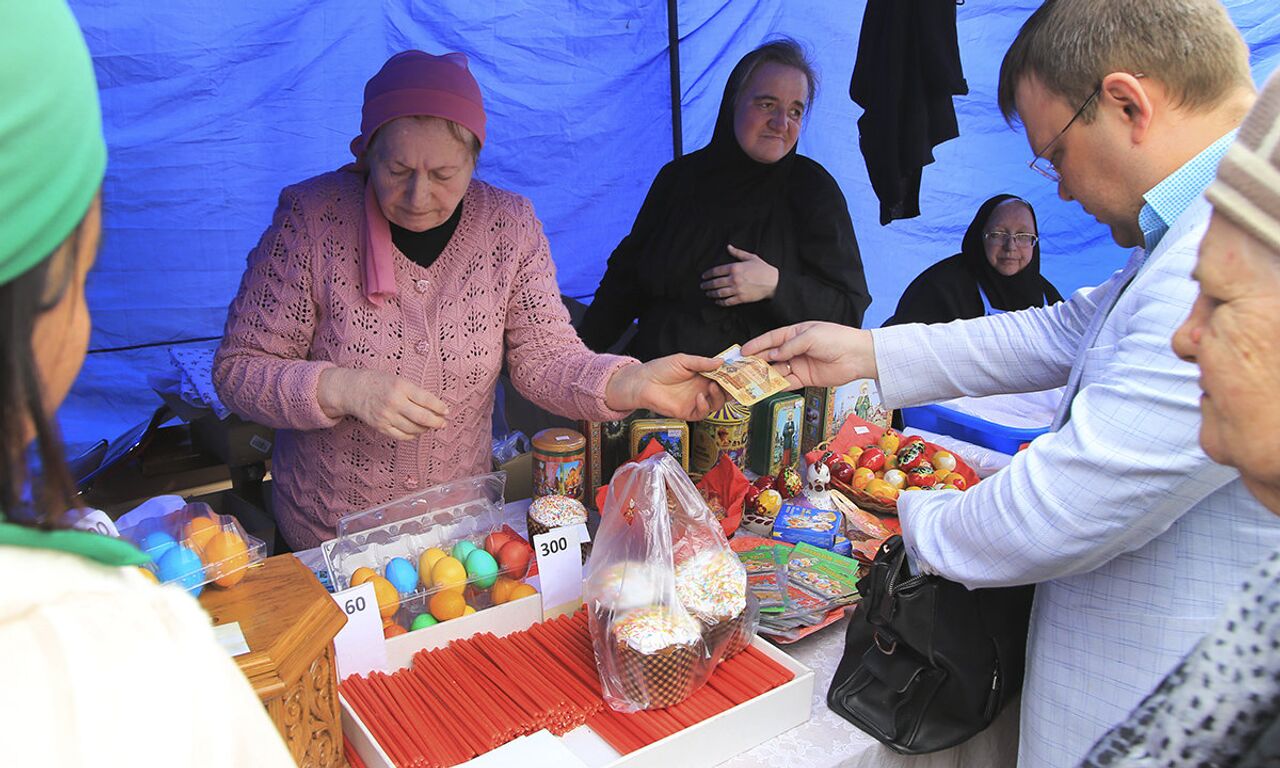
<point>52,154</point>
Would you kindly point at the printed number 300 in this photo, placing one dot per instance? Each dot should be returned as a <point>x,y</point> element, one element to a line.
<point>554,545</point>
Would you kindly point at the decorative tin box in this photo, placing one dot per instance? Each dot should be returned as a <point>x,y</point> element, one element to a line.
<point>776,426</point>
<point>826,408</point>
<point>671,434</point>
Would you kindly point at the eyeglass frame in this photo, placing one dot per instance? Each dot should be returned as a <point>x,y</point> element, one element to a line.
<point>1005,237</point>
<point>1051,173</point>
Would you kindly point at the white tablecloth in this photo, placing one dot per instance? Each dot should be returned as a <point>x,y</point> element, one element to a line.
<point>828,740</point>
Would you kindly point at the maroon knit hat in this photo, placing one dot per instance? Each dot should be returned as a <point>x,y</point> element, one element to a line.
<point>417,83</point>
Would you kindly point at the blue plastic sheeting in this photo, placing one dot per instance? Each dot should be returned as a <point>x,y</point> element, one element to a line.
<point>211,109</point>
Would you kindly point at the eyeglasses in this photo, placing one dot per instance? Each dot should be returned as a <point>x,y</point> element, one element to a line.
<point>1020,239</point>
<point>1040,163</point>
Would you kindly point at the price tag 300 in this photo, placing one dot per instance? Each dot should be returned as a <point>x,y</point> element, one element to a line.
<point>559,570</point>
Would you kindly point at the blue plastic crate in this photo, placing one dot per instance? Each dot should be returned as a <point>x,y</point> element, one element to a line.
<point>988,434</point>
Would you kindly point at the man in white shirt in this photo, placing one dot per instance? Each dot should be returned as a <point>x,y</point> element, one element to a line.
<point>1134,535</point>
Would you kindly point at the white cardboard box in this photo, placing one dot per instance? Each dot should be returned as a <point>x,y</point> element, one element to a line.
<point>706,744</point>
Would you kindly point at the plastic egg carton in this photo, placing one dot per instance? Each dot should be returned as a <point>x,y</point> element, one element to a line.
<point>391,542</point>
<point>195,548</point>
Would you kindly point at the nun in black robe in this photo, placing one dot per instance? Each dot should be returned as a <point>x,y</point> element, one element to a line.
<point>955,288</point>
<point>790,213</point>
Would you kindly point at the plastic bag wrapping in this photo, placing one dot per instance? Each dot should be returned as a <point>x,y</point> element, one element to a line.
<point>667,596</point>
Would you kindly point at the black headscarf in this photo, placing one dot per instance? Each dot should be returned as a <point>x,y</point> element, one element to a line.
<point>791,213</point>
<point>949,289</point>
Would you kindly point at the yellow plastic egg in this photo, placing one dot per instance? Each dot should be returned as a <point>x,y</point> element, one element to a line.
<point>388,597</point>
<point>522,590</point>
<point>449,574</point>
<point>427,562</point>
<point>468,611</point>
<point>148,573</point>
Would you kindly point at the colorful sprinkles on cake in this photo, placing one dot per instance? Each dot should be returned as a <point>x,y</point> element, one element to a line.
<point>557,511</point>
<point>650,630</point>
<point>713,585</point>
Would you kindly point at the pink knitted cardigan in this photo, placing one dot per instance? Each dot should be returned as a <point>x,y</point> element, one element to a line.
<point>301,309</point>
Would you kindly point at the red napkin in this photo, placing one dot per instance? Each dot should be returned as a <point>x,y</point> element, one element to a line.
<point>650,450</point>
<point>727,483</point>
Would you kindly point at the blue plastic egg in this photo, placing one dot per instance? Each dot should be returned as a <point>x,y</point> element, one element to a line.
<point>482,568</point>
<point>183,567</point>
<point>157,543</point>
<point>462,549</point>
<point>402,575</point>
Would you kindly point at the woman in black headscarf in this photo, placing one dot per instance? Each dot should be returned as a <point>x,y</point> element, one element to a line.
<point>739,237</point>
<point>997,270</point>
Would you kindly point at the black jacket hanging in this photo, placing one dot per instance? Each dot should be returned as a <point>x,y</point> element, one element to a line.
<point>907,70</point>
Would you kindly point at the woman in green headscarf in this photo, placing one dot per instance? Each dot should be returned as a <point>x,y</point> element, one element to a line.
<point>99,665</point>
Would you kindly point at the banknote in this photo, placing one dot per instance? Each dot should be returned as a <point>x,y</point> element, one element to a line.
<point>747,379</point>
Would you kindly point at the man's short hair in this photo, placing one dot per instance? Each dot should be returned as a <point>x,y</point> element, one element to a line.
<point>1190,46</point>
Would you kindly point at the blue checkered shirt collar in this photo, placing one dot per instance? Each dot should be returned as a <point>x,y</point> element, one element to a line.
<point>1166,201</point>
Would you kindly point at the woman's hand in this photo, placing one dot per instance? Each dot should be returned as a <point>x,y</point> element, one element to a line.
<point>670,385</point>
<point>816,354</point>
<point>751,279</point>
<point>394,406</point>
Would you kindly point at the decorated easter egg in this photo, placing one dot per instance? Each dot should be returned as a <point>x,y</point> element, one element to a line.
<point>872,458</point>
<point>181,566</point>
<point>447,605</point>
<point>911,455</point>
<point>156,544</point>
<point>897,478</point>
<point>422,621</point>
<point>881,490</point>
<point>197,532</point>
<point>890,440</point>
<point>427,562</point>
<point>462,549</point>
<point>402,575</point>
<point>448,574</point>
<point>494,541</point>
<point>922,477</point>
<point>482,568</point>
<point>521,590</point>
<point>361,575</point>
<point>956,479</point>
<point>388,597</point>
<point>513,558</point>
<point>769,503</point>
<point>227,557</point>
<point>862,476</point>
<point>788,483</point>
<point>944,461</point>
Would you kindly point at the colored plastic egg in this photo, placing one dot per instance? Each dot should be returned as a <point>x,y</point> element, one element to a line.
<point>522,590</point>
<point>227,557</point>
<point>199,530</point>
<point>183,567</point>
<point>447,605</point>
<point>361,575</point>
<point>468,611</point>
<point>422,621</point>
<point>402,575</point>
<point>391,629</point>
<point>427,562</point>
<point>501,591</point>
<point>494,541</point>
<point>157,543</point>
<point>150,576</point>
<point>513,558</point>
<point>448,574</point>
<point>462,549</point>
<point>482,568</point>
<point>388,597</point>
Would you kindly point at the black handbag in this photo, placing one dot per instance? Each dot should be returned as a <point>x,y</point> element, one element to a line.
<point>928,663</point>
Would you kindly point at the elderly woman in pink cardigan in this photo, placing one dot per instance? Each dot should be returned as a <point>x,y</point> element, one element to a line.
<point>376,311</point>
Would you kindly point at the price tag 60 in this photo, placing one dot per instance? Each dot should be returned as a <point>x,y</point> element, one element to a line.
<point>559,570</point>
<point>359,647</point>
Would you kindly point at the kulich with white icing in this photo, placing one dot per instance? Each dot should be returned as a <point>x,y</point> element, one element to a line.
<point>653,629</point>
<point>557,511</point>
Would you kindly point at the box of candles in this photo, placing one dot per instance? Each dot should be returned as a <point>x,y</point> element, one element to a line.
<point>446,705</point>
<point>438,555</point>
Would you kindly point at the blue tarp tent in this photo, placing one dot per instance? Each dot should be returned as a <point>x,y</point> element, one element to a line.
<point>211,109</point>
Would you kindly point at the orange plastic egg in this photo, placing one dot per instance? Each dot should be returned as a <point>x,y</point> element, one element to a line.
<point>361,575</point>
<point>501,591</point>
<point>227,557</point>
<point>447,604</point>
<point>199,530</point>
<point>522,590</point>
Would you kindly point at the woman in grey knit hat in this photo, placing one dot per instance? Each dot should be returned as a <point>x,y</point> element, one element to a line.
<point>1221,705</point>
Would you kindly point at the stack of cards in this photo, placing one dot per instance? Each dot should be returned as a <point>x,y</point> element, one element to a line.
<point>746,379</point>
<point>799,589</point>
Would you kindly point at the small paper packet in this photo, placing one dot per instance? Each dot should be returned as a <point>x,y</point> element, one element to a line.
<point>747,379</point>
